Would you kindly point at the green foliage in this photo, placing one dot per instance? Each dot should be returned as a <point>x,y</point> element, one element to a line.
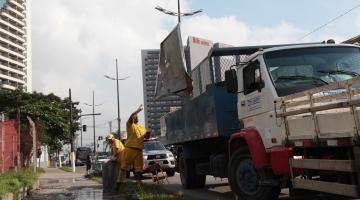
<point>12,181</point>
<point>50,112</point>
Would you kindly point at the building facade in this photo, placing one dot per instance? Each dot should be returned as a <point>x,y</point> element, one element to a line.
<point>15,45</point>
<point>154,109</point>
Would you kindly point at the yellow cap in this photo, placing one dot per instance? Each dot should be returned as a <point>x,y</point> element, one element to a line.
<point>110,136</point>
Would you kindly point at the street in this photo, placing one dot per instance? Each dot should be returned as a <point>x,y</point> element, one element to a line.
<point>218,189</point>
<point>56,184</point>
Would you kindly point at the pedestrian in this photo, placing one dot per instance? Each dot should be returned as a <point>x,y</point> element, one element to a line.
<point>88,164</point>
<point>117,151</point>
<point>133,153</point>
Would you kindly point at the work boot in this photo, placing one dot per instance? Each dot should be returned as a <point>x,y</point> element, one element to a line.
<point>138,177</point>
<point>118,186</point>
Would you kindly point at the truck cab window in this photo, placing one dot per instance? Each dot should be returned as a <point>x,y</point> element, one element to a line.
<point>251,76</point>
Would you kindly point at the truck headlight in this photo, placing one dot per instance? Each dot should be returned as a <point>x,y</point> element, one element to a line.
<point>169,155</point>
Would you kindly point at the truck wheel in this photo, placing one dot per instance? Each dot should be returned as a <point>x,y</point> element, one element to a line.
<point>189,178</point>
<point>170,172</point>
<point>245,179</point>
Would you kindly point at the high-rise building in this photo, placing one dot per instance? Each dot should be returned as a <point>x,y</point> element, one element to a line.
<point>154,109</point>
<point>15,45</point>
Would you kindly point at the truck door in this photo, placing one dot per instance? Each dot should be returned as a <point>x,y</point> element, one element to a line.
<point>256,102</point>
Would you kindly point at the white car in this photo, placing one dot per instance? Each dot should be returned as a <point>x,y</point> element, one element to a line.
<point>103,158</point>
<point>155,152</point>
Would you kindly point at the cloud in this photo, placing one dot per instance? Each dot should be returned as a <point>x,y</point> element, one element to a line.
<point>75,43</point>
<point>229,30</point>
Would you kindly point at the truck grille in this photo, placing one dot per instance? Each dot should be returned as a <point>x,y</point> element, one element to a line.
<point>158,156</point>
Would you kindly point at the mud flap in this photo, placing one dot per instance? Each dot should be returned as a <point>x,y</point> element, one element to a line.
<point>357,165</point>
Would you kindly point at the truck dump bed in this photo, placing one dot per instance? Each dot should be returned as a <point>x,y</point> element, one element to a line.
<point>211,114</point>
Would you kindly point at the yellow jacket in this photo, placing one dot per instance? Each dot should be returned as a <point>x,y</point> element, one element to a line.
<point>117,147</point>
<point>135,135</point>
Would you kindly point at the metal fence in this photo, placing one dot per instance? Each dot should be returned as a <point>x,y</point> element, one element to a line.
<point>9,145</point>
<point>212,70</point>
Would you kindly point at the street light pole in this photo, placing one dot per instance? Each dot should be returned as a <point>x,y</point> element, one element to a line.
<point>118,101</point>
<point>178,13</point>
<point>179,17</point>
<point>117,79</point>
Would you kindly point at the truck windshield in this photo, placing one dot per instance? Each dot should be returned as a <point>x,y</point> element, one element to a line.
<point>296,70</point>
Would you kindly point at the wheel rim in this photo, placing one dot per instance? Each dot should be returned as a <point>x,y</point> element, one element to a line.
<point>247,177</point>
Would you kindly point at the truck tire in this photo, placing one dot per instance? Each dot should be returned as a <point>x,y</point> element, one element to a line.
<point>245,180</point>
<point>189,178</point>
<point>170,172</point>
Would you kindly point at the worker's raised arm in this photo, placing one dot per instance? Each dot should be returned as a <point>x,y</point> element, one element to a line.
<point>130,120</point>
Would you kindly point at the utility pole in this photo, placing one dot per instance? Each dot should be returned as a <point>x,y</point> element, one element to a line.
<point>110,126</point>
<point>93,105</point>
<point>71,135</point>
<point>81,130</point>
<point>33,134</point>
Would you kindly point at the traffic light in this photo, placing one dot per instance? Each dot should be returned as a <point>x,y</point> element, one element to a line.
<point>84,128</point>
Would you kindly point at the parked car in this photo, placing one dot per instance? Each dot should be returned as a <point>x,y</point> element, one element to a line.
<point>155,152</point>
<point>103,157</point>
<point>81,155</point>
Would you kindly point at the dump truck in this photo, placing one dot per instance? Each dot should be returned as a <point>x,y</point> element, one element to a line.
<point>272,117</point>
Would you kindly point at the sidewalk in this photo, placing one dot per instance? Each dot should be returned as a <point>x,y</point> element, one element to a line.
<point>56,173</point>
<point>58,184</point>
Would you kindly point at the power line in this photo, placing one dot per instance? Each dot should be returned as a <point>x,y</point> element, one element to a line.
<point>329,22</point>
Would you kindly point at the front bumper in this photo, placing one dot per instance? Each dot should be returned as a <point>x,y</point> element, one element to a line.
<point>165,164</point>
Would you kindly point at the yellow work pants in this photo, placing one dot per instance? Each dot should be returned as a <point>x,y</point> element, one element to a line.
<point>119,157</point>
<point>132,157</point>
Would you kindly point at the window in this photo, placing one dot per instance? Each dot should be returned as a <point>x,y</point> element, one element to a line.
<point>296,70</point>
<point>251,75</point>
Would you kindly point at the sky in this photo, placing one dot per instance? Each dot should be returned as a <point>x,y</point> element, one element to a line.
<point>75,43</point>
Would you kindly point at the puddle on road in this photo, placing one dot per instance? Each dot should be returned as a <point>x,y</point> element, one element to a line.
<point>82,194</point>
<point>51,190</point>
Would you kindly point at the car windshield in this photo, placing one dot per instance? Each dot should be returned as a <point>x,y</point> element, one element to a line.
<point>153,146</point>
<point>295,70</point>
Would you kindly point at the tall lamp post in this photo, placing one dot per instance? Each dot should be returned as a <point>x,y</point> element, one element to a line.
<point>178,13</point>
<point>117,79</point>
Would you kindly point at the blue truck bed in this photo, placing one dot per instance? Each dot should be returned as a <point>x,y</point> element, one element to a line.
<point>211,114</point>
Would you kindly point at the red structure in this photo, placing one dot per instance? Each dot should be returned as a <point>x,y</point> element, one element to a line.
<point>9,157</point>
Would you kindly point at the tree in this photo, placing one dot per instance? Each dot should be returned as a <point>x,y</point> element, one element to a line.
<point>50,112</point>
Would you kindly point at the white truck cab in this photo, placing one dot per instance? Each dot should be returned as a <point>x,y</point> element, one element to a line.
<point>270,74</point>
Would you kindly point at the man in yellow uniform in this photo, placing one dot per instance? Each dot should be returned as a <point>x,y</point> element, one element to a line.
<point>133,155</point>
<point>117,151</point>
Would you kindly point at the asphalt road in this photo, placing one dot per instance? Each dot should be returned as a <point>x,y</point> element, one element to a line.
<point>218,189</point>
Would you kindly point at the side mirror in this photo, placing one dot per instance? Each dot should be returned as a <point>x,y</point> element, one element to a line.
<point>259,85</point>
<point>231,81</point>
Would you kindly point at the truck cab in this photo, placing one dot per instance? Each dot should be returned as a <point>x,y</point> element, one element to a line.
<point>302,102</point>
<point>270,74</point>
